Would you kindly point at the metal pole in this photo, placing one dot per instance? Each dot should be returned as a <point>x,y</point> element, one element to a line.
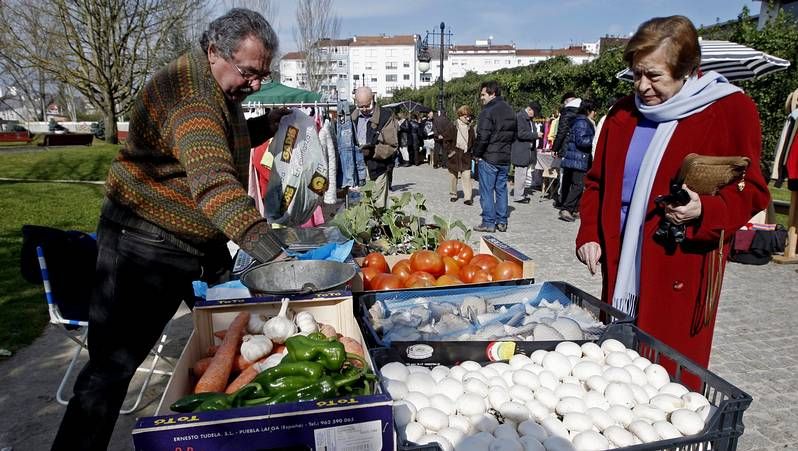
<point>440,95</point>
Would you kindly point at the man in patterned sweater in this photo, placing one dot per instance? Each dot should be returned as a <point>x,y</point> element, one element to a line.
<point>175,195</point>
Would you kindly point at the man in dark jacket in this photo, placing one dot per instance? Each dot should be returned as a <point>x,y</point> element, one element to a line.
<point>523,154</point>
<point>496,132</point>
<point>375,134</point>
<point>440,125</point>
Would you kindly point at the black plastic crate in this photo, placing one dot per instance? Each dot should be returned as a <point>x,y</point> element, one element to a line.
<point>434,352</point>
<point>721,432</point>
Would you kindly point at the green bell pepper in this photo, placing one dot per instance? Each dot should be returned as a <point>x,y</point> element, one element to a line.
<point>331,354</point>
<point>310,370</point>
<point>190,403</point>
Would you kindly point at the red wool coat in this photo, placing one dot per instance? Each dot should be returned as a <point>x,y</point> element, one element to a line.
<point>673,287</point>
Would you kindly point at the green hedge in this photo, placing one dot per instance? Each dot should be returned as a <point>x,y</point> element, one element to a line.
<point>548,80</point>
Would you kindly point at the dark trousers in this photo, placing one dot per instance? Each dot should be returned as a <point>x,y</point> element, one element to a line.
<point>573,183</point>
<point>141,279</point>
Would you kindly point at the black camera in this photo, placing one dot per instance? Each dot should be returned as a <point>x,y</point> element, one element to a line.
<point>668,232</point>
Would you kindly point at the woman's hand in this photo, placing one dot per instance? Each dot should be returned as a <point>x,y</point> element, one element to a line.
<point>589,254</point>
<point>685,213</point>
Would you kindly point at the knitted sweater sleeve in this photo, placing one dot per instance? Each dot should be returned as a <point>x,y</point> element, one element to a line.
<point>199,141</point>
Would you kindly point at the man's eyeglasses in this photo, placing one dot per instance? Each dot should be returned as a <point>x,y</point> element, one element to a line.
<point>253,76</point>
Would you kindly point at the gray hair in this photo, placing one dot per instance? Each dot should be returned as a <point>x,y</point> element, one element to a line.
<point>227,32</point>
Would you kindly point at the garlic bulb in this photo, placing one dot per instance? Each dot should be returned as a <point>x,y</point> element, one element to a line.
<point>279,328</point>
<point>255,347</point>
<point>256,322</point>
<point>306,323</point>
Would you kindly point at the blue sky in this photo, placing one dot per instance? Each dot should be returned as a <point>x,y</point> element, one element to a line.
<point>528,23</point>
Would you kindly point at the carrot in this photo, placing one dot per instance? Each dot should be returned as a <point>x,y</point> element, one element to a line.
<point>201,366</point>
<point>245,377</point>
<point>212,350</point>
<point>278,349</point>
<point>241,364</point>
<point>217,374</point>
<point>220,334</point>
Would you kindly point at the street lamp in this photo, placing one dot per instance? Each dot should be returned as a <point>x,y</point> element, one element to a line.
<point>424,57</point>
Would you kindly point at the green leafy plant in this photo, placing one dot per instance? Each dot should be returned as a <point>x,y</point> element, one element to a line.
<point>398,228</point>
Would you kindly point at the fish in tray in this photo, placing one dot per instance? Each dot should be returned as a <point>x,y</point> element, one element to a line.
<point>471,317</point>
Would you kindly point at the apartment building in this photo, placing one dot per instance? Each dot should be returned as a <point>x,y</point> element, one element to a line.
<point>334,57</point>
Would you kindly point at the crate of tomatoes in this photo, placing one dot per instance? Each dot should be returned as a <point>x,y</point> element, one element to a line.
<point>452,263</point>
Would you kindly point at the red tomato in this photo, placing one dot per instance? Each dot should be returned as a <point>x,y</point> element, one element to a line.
<point>375,260</point>
<point>420,278</point>
<point>402,269</point>
<point>472,273</point>
<point>387,282</point>
<point>419,283</point>
<point>485,261</point>
<point>507,270</point>
<point>481,276</point>
<point>448,279</point>
<point>427,261</point>
<point>466,273</point>
<point>458,250</point>
<point>369,274</point>
<point>451,266</point>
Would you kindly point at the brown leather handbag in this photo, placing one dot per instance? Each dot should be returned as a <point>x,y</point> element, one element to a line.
<point>707,175</point>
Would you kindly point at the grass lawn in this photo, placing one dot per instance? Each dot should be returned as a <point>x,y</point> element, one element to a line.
<point>60,205</point>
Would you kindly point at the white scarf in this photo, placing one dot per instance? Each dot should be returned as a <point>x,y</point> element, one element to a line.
<point>696,95</point>
<point>462,135</point>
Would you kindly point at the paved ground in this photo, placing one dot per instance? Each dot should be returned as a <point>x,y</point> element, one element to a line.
<point>754,339</point>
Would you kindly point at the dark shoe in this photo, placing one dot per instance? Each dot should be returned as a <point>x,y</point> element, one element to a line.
<point>484,228</point>
<point>566,216</point>
<point>468,202</point>
<point>452,199</point>
<point>501,227</point>
<point>522,201</point>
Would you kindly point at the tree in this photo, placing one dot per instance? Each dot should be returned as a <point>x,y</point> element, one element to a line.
<point>32,88</point>
<point>105,49</point>
<point>316,25</point>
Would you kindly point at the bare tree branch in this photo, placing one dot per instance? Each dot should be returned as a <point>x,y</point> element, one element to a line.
<point>316,25</point>
<point>105,49</point>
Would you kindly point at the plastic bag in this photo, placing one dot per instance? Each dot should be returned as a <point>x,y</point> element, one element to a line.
<point>298,177</point>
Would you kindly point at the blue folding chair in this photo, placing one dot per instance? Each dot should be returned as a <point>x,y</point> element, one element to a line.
<point>71,313</point>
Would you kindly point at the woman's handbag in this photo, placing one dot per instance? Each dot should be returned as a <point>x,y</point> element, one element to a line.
<point>707,175</point>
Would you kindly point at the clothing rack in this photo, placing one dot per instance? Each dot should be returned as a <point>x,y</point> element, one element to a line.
<point>790,252</point>
<point>290,104</point>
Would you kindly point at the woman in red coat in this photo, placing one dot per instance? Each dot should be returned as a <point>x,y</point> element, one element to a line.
<point>675,111</point>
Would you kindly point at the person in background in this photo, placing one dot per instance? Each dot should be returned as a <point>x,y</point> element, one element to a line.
<point>459,156</point>
<point>414,140</point>
<point>571,105</point>
<point>496,131</point>
<point>441,126</point>
<point>404,139</point>
<point>375,132</point>
<point>522,153</point>
<point>429,138</point>
<point>577,159</point>
<point>175,194</point>
<point>671,287</point>
<point>554,122</point>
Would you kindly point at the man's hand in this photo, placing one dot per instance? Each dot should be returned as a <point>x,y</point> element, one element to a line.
<point>589,254</point>
<point>273,120</point>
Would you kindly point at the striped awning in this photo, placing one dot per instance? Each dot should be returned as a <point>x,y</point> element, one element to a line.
<point>733,61</point>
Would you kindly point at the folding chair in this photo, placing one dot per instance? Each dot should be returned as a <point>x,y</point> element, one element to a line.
<point>71,312</point>
<point>549,187</point>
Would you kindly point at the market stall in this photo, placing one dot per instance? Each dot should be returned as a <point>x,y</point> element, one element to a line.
<point>386,329</point>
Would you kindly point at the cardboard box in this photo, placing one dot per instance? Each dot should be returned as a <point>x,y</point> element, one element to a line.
<point>488,244</point>
<point>358,422</point>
